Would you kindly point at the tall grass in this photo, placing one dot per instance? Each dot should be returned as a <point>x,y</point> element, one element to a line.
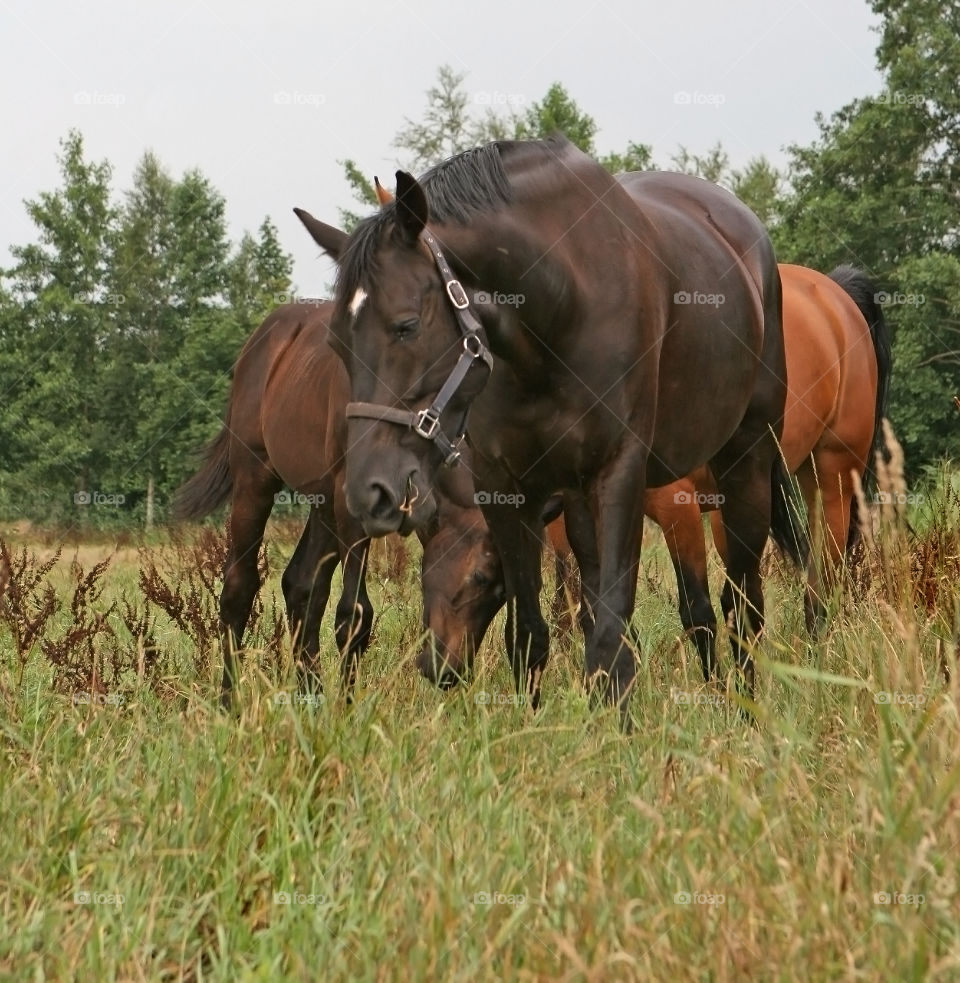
<point>427,835</point>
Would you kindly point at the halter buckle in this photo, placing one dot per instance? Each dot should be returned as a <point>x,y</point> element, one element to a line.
<point>427,423</point>
<point>458,296</point>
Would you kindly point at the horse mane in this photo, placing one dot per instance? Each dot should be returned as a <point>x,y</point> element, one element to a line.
<point>457,189</point>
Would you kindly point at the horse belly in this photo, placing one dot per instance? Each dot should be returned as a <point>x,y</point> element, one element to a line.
<point>706,380</point>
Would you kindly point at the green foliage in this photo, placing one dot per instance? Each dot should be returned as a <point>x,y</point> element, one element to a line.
<point>449,127</point>
<point>446,128</point>
<point>55,331</point>
<point>558,113</point>
<point>637,157</point>
<point>119,329</point>
<point>878,189</point>
<point>926,353</point>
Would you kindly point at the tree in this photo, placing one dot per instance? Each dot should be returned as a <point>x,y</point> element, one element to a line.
<point>878,188</point>
<point>449,127</point>
<point>759,186</point>
<point>558,113</point>
<point>258,276</point>
<point>446,128</point>
<point>52,368</point>
<point>925,303</point>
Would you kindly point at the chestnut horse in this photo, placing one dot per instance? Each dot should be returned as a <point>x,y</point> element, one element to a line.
<point>838,375</point>
<point>285,426</point>
<point>633,330</point>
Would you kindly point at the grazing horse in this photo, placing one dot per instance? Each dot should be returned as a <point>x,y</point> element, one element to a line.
<point>838,375</point>
<point>285,425</point>
<point>604,335</point>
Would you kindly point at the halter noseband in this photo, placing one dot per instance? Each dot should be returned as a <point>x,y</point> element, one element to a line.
<point>426,422</point>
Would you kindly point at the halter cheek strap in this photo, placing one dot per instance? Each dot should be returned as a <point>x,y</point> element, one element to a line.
<point>426,423</point>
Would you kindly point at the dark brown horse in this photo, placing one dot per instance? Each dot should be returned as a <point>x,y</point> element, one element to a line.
<point>285,426</point>
<point>838,373</point>
<point>635,329</point>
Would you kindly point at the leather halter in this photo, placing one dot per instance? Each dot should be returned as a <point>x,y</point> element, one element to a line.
<point>426,422</point>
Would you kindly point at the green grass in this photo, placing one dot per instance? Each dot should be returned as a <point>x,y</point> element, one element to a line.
<point>388,822</point>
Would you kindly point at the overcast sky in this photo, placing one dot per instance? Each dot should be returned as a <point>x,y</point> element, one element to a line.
<point>266,97</point>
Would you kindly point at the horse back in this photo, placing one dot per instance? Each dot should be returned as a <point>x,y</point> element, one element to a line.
<point>304,391</point>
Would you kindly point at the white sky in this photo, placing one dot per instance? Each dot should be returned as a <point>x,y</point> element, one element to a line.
<point>265,97</point>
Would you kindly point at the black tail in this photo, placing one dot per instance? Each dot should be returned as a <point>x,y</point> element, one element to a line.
<point>788,524</point>
<point>210,487</point>
<point>863,292</point>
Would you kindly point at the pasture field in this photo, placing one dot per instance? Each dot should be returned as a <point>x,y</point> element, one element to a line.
<point>423,835</point>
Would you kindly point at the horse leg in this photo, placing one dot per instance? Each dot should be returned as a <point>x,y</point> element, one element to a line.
<point>518,536</point>
<point>675,510</point>
<point>583,539</point>
<point>306,589</point>
<point>354,616</point>
<point>609,666</point>
<point>719,535</point>
<point>743,475</point>
<point>251,506</point>
<point>829,526</point>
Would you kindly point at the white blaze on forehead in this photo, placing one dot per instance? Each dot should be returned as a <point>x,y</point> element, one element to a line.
<point>358,298</point>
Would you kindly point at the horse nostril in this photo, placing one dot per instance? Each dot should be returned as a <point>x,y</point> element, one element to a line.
<point>382,503</point>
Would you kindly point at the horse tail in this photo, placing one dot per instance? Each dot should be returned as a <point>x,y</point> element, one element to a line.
<point>787,524</point>
<point>210,487</point>
<point>863,292</point>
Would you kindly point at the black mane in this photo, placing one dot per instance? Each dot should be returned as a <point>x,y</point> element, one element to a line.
<point>456,190</point>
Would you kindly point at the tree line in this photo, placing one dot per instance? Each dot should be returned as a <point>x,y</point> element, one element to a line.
<point>120,324</point>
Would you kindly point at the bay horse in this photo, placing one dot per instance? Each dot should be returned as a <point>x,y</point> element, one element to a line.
<point>838,356</point>
<point>285,425</point>
<point>604,335</point>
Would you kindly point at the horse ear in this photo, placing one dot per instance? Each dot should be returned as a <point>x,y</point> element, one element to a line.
<point>383,196</point>
<point>412,211</point>
<point>329,239</point>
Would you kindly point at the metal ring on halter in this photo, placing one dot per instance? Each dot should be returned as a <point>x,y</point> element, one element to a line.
<point>476,348</point>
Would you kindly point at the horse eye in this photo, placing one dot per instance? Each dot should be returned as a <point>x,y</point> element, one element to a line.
<point>481,579</point>
<point>406,329</point>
